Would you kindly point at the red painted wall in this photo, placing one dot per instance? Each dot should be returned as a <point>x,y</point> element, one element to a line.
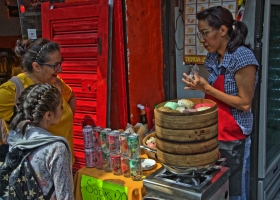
<point>144,52</point>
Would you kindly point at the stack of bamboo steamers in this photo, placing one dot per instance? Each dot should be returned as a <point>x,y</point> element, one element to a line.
<point>187,136</point>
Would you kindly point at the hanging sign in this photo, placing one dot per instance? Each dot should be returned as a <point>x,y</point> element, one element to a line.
<point>32,34</point>
<point>194,52</point>
<point>96,189</point>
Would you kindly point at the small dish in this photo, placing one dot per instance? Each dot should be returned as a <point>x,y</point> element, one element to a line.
<point>148,164</point>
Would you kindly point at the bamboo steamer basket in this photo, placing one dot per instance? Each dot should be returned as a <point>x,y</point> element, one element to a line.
<point>187,135</point>
<point>188,160</point>
<point>184,148</point>
<point>187,121</point>
<point>187,139</point>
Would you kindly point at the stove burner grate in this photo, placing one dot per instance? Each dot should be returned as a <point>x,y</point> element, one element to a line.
<point>194,179</point>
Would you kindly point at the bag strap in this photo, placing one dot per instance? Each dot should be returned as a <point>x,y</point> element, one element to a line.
<point>27,152</point>
<point>19,90</point>
<point>34,175</point>
<point>19,87</point>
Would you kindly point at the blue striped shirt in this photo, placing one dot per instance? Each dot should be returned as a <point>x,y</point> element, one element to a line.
<point>233,62</point>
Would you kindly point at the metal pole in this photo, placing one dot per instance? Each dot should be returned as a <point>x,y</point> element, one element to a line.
<point>110,28</point>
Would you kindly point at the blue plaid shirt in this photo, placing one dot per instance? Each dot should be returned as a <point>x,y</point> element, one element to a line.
<point>233,62</point>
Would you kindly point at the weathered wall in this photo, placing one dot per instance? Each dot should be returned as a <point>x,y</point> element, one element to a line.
<point>9,28</point>
<point>144,57</point>
<point>144,52</point>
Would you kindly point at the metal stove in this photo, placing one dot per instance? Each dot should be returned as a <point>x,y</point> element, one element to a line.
<point>211,184</point>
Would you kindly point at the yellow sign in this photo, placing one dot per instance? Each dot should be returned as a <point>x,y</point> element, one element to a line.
<point>195,59</point>
<point>96,189</point>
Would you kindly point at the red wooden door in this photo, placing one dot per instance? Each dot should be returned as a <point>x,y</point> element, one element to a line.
<point>81,29</point>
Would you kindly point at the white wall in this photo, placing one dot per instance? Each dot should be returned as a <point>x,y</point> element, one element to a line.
<point>181,68</point>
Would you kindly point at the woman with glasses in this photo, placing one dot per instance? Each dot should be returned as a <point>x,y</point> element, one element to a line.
<point>231,84</point>
<point>42,62</point>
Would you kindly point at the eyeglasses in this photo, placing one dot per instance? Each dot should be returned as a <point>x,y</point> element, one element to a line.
<point>203,33</point>
<point>54,66</point>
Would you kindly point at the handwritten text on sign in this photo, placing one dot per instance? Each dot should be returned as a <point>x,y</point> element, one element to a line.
<point>96,189</point>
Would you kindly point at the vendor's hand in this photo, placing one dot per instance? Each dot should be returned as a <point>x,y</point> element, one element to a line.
<point>198,83</point>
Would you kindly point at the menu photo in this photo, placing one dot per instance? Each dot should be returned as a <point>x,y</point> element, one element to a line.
<point>190,1</point>
<point>215,4</point>
<point>190,50</point>
<point>190,40</point>
<point>230,5</point>
<point>202,1</point>
<point>190,29</point>
<point>215,1</point>
<point>190,19</point>
<point>201,7</point>
<point>190,9</point>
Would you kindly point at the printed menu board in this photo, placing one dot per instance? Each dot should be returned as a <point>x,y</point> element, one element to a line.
<point>194,52</point>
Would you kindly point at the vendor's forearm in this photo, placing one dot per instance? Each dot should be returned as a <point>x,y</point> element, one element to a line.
<point>233,101</point>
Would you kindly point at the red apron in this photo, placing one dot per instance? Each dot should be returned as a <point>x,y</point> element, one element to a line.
<point>231,139</point>
<point>228,129</point>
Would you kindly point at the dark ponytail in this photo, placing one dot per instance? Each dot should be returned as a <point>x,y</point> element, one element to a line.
<point>238,37</point>
<point>218,16</point>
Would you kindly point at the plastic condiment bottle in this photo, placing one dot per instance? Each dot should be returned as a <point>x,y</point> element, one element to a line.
<point>143,119</point>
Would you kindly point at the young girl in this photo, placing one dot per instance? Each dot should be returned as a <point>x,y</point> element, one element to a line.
<point>38,107</point>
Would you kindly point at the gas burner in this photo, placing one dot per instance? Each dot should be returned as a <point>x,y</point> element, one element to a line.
<point>195,184</point>
<point>194,179</point>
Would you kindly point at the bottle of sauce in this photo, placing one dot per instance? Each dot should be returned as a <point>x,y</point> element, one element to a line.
<point>143,119</point>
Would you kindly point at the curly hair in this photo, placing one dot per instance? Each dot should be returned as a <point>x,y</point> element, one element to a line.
<point>33,103</point>
<point>218,16</point>
<point>34,51</point>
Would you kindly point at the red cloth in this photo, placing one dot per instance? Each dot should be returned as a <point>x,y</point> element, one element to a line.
<point>228,129</point>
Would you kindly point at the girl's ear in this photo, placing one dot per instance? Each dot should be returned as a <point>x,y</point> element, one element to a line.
<point>48,115</point>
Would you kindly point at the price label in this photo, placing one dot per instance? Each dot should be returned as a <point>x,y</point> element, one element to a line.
<point>96,189</point>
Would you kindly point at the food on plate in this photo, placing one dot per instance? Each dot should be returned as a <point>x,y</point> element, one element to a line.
<point>203,108</point>
<point>186,103</point>
<point>151,142</point>
<point>203,105</point>
<point>172,105</point>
